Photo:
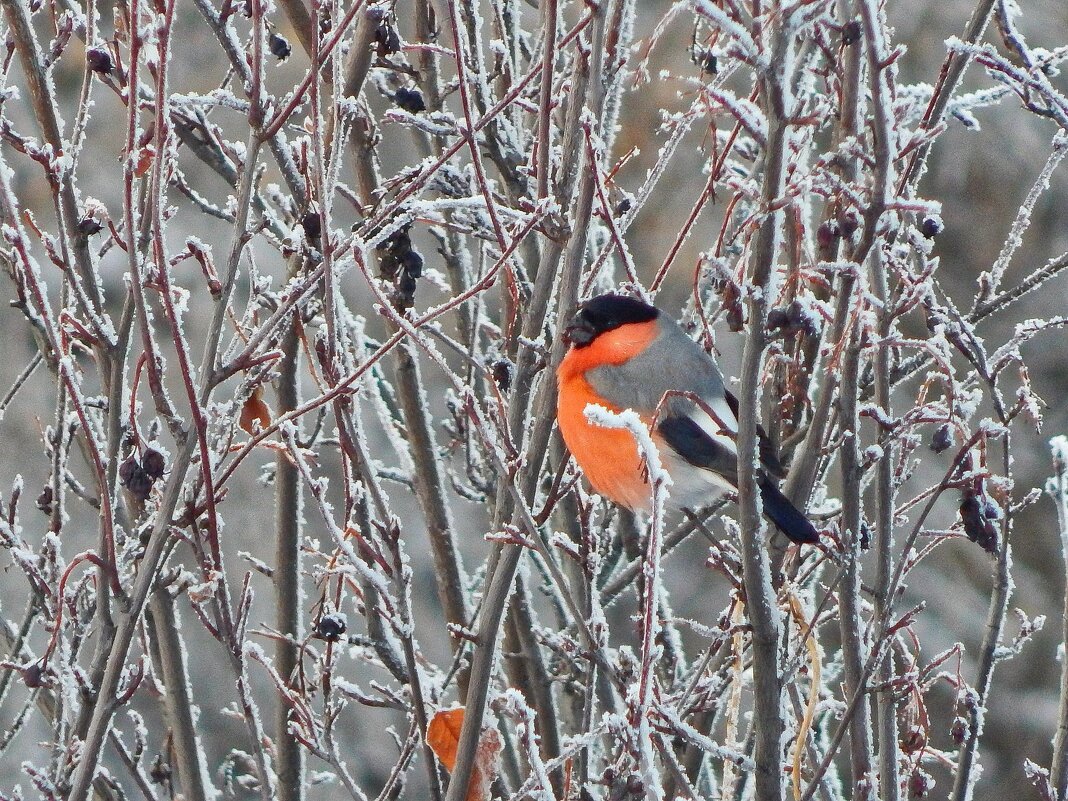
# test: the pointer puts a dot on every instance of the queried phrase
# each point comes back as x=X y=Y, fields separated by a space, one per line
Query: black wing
x=694 y=445
x=768 y=457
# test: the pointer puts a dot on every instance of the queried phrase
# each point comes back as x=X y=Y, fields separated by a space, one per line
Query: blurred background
x=980 y=177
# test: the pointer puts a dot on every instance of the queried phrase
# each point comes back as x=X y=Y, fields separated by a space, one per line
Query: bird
x=625 y=354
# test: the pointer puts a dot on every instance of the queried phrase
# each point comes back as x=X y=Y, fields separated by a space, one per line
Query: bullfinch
x=625 y=354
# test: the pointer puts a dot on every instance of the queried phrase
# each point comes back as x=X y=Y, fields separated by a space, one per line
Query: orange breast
x=608 y=456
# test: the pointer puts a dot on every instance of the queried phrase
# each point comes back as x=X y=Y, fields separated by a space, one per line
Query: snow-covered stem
x=1057 y=488
x=850 y=622
x=761 y=604
x=949 y=77
x=288 y=517
x=170 y=660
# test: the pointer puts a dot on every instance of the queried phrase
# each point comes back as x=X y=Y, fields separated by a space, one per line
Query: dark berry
x=919 y=784
x=913 y=740
x=735 y=317
x=706 y=59
x=635 y=786
x=412 y=263
x=777 y=319
x=331 y=627
x=503 y=370
x=980 y=529
x=865 y=535
x=279 y=46
x=99 y=60
x=44 y=500
x=153 y=464
x=411 y=100
x=959 y=730
x=943 y=438
x=139 y=484
x=388 y=39
x=826 y=235
x=851 y=33
x=849 y=224
x=160 y=772
x=34 y=675
x=931 y=227
x=127 y=469
x=312 y=224
x=89 y=226
x=406 y=285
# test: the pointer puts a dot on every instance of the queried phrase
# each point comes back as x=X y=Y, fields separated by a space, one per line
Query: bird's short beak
x=578 y=332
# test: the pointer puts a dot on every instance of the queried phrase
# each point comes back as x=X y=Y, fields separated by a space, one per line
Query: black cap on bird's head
x=606 y=313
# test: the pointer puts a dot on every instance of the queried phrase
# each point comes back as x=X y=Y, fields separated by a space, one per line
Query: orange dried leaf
x=255 y=414
x=443 y=736
x=145 y=156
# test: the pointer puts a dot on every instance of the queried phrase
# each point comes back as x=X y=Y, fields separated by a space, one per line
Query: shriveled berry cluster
x=400 y=263
x=138 y=477
x=980 y=515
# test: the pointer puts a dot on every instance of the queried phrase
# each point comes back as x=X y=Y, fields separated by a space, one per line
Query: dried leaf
x=145 y=157
x=255 y=413
x=443 y=736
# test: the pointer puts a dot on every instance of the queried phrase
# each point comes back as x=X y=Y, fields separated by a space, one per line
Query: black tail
x=785 y=515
